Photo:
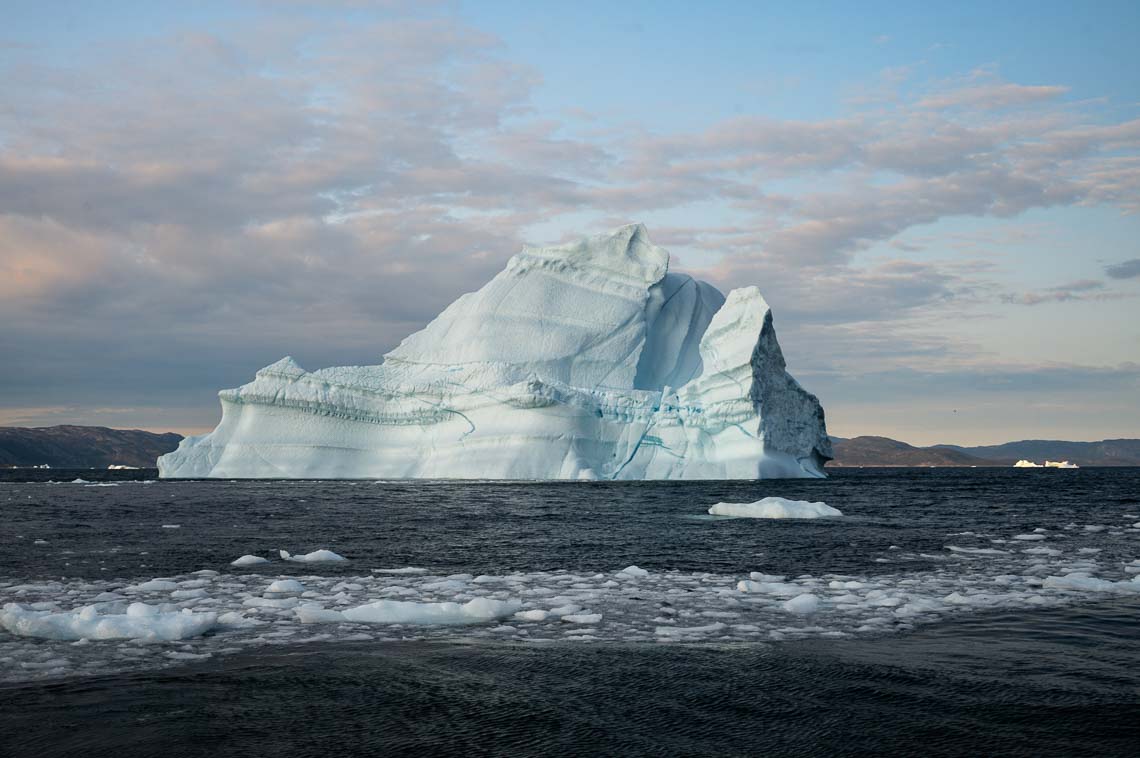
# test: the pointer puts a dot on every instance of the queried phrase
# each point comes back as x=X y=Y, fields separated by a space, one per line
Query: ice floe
x=476 y=611
x=775 y=507
x=249 y=560
x=139 y=622
x=317 y=556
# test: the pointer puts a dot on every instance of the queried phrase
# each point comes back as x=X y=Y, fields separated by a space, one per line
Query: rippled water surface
x=966 y=610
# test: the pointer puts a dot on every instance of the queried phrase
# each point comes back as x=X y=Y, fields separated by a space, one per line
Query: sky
x=941 y=204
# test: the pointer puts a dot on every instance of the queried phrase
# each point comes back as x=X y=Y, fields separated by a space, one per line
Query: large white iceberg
x=582 y=361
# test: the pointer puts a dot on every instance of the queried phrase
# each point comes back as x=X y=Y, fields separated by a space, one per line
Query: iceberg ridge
x=582 y=361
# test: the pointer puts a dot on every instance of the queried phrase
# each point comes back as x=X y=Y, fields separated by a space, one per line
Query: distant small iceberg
x=1048 y=464
x=1027 y=464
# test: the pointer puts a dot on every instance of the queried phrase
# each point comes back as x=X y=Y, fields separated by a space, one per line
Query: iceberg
x=589 y=360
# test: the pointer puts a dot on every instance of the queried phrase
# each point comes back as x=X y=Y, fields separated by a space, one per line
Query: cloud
x=305 y=185
x=992 y=96
x=1124 y=270
x=1082 y=289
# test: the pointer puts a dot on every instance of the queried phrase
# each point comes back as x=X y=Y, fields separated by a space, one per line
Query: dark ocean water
x=940 y=631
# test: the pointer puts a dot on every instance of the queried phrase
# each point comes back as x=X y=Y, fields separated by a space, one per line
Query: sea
x=947 y=612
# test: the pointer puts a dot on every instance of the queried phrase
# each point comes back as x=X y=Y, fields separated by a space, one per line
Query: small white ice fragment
x=285 y=585
x=583 y=618
x=154 y=585
x=805 y=603
x=249 y=560
x=535 y=615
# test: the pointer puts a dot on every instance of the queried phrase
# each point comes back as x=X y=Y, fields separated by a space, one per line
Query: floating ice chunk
x=756 y=576
x=533 y=615
x=317 y=556
x=1081 y=581
x=405 y=570
x=805 y=603
x=842 y=585
x=172 y=526
x=976 y=550
x=477 y=611
x=1029 y=537
x=445 y=585
x=565 y=610
x=285 y=585
x=583 y=618
x=633 y=572
x=315 y=614
x=188 y=594
x=39 y=542
x=140 y=622
x=769 y=588
x=775 y=507
x=154 y=585
x=1041 y=551
x=249 y=560
x=266 y=602
x=680 y=631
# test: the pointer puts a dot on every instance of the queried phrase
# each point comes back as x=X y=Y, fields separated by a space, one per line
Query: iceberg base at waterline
x=583 y=361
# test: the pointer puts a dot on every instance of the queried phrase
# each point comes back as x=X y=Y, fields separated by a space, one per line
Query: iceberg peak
x=625 y=253
x=588 y=359
x=284 y=367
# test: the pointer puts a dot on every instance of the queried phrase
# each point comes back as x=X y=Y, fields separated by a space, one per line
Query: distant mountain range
x=100 y=447
x=883 y=451
x=82 y=446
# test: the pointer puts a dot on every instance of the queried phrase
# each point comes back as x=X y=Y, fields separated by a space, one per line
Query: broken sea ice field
x=110 y=589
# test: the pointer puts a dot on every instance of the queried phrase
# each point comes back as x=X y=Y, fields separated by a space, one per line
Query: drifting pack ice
x=582 y=361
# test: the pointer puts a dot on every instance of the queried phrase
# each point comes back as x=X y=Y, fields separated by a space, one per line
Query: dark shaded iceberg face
x=589 y=360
